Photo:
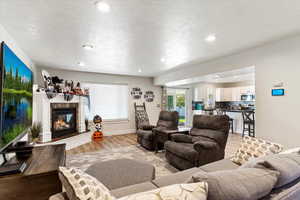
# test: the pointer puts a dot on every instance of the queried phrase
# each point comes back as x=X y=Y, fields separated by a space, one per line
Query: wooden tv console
x=40 y=179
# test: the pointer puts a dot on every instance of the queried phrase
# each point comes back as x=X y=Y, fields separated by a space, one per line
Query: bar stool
x=209 y=111
x=222 y=112
x=249 y=122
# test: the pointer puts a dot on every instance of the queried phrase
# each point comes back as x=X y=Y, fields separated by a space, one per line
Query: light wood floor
x=112 y=142
x=108 y=143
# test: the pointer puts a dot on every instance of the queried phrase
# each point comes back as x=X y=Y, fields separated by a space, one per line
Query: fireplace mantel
x=42 y=106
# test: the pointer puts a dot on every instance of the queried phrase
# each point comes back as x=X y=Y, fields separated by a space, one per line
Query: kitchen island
x=236 y=115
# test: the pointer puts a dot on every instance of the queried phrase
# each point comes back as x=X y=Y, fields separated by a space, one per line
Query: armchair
x=166 y=126
x=205 y=143
x=145 y=134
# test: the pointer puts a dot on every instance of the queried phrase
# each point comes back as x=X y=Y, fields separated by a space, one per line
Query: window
x=108 y=100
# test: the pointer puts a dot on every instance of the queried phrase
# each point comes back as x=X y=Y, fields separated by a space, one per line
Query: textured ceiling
x=136 y=34
x=239 y=75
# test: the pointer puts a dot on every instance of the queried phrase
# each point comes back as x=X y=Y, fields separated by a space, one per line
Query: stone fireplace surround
x=42 y=107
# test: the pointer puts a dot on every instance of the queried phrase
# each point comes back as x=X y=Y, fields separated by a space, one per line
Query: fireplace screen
x=63 y=122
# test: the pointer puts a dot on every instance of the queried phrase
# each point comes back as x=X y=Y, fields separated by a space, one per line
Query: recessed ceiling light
x=88 y=46
x=217 y=76
x=103 y=6
x=210 y=38
x=163 y=60
x=81 y=64
x=140 y=70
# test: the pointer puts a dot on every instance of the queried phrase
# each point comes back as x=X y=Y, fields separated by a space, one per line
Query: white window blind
x=110 y=101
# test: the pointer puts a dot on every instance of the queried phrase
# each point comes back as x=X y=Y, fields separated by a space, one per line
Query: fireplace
x=64 y=122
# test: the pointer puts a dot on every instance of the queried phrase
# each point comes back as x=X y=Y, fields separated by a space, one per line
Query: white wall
x=277 y=118
x=121 y=127
x=236 y=84
x=4 y=36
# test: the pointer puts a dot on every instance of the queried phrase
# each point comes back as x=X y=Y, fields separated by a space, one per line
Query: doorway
x=177 y=102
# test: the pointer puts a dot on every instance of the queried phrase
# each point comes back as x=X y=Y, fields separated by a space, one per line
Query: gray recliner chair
x=145 y=134
x=205 y=144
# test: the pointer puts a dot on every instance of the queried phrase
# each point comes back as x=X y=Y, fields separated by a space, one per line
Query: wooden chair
x=138 y=108
x=249 y=122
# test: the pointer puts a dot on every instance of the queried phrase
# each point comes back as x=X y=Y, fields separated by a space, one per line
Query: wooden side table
x=161 y=136
x=40 y=179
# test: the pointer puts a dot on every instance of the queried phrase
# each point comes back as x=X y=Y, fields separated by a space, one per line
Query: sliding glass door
x=176 y=101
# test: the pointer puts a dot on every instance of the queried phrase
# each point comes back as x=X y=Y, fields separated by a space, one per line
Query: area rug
x=84 y=160
x=158 y=160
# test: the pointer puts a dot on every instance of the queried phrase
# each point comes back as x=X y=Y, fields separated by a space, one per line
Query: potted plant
x=35 y=131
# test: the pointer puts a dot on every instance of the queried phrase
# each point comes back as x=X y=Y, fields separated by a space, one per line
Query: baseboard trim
x=118 y=132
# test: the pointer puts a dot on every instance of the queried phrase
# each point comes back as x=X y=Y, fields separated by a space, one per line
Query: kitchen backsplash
x=235 y=104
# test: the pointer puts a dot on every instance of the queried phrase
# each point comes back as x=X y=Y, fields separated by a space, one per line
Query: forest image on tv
x=17 y=97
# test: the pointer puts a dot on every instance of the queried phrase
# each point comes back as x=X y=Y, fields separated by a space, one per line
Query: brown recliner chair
x=145 y=135
x=205 y=144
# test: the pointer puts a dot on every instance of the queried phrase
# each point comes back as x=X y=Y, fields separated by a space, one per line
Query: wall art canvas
x=136 y=93
x=149 y=96
x=16 y=104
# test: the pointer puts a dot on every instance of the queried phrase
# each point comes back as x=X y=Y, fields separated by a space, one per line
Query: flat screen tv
x=16 y=97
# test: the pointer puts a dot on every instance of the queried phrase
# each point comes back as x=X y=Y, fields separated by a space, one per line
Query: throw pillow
x=287 y=164
x=239 y=184
x=253 y=148
x=81 y=186
x=194 y=191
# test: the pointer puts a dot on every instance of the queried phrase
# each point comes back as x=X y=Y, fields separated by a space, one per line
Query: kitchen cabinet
x=237 y=121
x=223 y=94
x=236 y=94
x=233 y=94
x=247 y=90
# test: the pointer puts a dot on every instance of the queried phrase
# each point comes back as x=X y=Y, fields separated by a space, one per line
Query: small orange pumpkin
x=97 y=135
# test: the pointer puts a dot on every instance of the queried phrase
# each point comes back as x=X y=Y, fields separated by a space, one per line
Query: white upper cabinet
x=248 y=90
x=236 y=94
x=233 y=94
x=224 y=94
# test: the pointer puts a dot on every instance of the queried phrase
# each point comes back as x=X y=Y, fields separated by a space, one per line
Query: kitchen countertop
x=237 y=110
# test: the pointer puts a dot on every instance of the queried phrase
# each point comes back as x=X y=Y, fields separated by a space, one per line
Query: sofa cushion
x=168 y=120
x=238 y=184
x=181 y=138
x=200 y=145
x=254 y=148
x=133 y=189
x=183 y=150
x=81 y=186
x=287 y=164
x=292 y=150
x=212 y=135
x=177 y=178
x=193 y=191
x=288 y=192
x=122 y=172
x=225 y=164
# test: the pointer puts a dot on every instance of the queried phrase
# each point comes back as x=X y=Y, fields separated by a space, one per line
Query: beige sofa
x=291 y=192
